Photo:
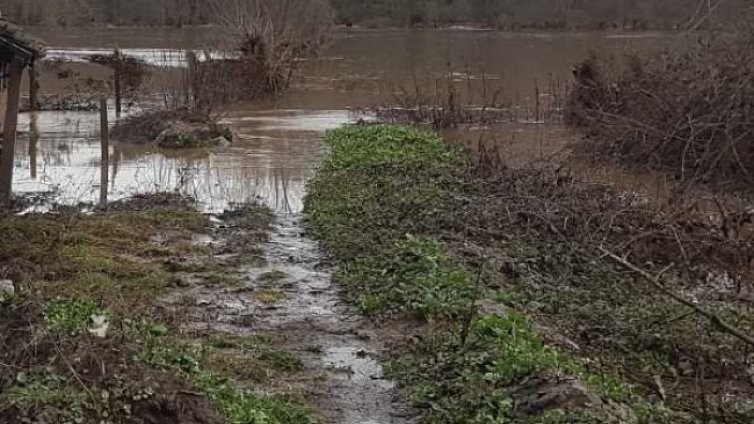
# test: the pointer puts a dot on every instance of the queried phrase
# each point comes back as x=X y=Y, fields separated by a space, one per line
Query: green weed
x=416 y=275
x=73 y=316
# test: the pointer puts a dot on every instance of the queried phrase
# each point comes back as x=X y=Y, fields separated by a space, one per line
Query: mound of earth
x=82 y=378
x=174 y=129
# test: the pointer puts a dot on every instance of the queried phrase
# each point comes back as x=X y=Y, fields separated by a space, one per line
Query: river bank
x=511 y=292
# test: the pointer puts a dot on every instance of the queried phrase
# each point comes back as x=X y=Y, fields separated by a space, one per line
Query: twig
x=472 y=306
x=655 y=282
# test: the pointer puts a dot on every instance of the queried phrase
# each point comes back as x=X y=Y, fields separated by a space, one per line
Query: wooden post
x=191 y=88
x=9 y=132
x=33 y=88
x=118 y=82
x=33 y=145
x=105 y=146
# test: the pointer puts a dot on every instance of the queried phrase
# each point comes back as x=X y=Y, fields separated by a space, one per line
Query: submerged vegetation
x=503 y=268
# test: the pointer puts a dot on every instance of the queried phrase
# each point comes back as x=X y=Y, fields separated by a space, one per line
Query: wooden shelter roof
x=14 y=39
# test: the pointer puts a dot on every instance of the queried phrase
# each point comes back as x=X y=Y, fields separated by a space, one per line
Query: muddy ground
x=242 y=296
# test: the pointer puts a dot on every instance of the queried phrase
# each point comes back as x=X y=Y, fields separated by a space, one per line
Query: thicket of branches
x=688 y=112
x=494 y=13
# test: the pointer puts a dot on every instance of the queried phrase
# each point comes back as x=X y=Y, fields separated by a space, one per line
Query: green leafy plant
x=71 y=315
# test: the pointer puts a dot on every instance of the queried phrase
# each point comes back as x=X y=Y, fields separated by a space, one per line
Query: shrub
x=687 y=112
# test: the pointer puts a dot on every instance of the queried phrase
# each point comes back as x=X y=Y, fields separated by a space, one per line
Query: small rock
x=541 y=394
x=220 y=142
x=7 y=290
x=100 y=326
x=489 y=307
x=365 y=334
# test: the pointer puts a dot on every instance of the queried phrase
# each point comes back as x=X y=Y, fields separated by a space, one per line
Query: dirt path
x=292 y=298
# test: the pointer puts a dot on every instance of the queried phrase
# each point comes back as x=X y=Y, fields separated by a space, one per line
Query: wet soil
x=292 y=299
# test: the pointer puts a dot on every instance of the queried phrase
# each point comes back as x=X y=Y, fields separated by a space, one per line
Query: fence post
x=33 y=145
x=191 y=88
x=105 y=146
x=9 y=132
x=118 y=82
x=33 y=88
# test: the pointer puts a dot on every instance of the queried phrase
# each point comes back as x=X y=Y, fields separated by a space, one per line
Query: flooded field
x=279 y=138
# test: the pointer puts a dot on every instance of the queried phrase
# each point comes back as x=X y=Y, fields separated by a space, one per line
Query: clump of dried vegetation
x=686 y=111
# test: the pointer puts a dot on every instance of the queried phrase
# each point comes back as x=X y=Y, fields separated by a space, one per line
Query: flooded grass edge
x=376 y=206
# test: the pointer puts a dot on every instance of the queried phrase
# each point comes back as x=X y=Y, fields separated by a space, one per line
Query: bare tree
x=275 y=32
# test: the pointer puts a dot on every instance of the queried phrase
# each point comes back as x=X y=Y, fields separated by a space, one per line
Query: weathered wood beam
x=33 y=86
x=9 y=132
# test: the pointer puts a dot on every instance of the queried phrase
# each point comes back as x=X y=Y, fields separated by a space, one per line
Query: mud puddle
x=291 y=298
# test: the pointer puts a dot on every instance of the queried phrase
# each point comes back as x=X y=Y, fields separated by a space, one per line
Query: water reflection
x=59 y=154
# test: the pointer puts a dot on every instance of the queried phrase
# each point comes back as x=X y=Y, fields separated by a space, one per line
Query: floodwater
x=280 y=138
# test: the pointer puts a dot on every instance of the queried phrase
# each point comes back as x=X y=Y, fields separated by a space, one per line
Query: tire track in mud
x=309 y=318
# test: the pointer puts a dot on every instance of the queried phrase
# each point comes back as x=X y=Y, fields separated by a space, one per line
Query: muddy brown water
x=279 y=148
x=280 y=144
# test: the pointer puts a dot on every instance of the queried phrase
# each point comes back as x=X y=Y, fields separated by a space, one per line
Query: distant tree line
x=554 y=14
x=507 y=14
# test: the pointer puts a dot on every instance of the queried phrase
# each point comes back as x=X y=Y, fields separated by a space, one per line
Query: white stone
x=7 y=290
x=100 y=325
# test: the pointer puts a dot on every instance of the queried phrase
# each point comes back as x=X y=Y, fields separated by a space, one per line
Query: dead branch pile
x=221 y=81
x=689 y=112
x=546 y=235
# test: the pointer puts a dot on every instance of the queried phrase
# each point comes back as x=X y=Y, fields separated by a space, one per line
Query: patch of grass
x=415 y=275
x=281 y=360
x=240 y=406
x=272 y=276
x=51 y=395
x=471 y=380
x=223 y=279
x=72 y=266
x=270 y=295
x=94 y=256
